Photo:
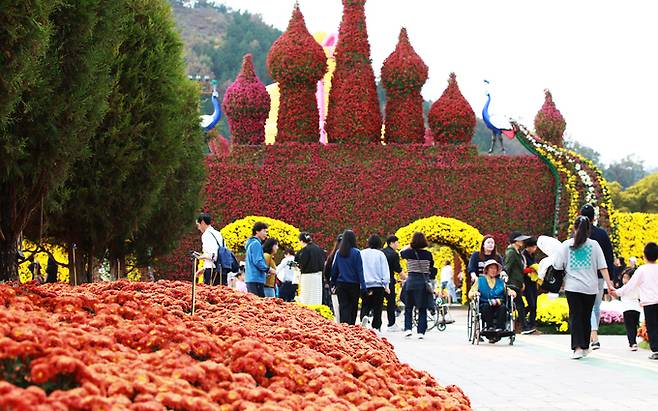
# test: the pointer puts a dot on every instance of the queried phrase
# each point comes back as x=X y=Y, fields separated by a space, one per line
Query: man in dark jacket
x=600 y=236
x=393 y=259
x=514 y=266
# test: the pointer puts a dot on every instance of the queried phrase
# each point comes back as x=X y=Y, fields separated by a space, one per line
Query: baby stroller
x=475 y=323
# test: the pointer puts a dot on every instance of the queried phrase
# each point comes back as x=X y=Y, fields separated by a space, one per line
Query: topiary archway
x=237 y=233
x=462 y=237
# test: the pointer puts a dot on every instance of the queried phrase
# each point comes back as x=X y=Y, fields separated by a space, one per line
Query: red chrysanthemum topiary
x=354 y=115
x=451 y=117
x=403 y=76
x=247 y=105
x=297 y=62
x=549 y=123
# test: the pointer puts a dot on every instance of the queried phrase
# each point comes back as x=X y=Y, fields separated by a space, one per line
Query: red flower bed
x=354 y=115
x=297 y=62
x=373 y=189
x=247 y=105
x=124 y=345
x=451 y=118
x=549 y=122
x=403 y=76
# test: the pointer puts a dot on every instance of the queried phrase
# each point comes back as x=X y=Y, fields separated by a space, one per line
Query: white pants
x=310 y=292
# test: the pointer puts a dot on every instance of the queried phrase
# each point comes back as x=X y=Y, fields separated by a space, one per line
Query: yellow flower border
x=236 y=233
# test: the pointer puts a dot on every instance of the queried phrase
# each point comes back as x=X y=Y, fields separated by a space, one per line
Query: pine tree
x=55 y=103
x=138 y=147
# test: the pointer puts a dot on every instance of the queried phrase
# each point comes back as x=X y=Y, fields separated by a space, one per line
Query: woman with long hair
x=487 y=252
x=347 y=277
x=326 y=278
x=420 y=266
x=310 y=260
x=581 y=258
x=270 y=247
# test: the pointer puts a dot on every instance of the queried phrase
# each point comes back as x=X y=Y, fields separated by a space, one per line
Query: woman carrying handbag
x=419 y=293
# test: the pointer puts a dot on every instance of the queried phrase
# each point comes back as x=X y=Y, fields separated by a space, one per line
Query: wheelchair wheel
x=432 y=318
x=441 y=318
x=469 y=323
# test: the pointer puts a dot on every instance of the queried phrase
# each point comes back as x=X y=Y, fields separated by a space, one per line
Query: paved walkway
x=535 y=373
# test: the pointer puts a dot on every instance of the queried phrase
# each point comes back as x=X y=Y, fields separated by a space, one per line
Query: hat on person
x=491 y=262
x=588 y=211
x=517 y=236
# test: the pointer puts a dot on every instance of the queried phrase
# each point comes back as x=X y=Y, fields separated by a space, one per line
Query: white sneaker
x=577 y=355
x=585 y=353
x=408 y=333
x=365 y=323
x=421 y=336
x=634 y=347
x=394 y=328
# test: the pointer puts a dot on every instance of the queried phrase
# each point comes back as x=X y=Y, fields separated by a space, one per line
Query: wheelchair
x=438 y=315
x=475 y=323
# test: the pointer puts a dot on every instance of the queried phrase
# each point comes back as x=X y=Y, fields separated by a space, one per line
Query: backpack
x=553 y=280
x=225 y=259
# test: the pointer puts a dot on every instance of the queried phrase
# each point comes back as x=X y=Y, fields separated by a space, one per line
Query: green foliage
x=216 y=38
x=642 y=197
x=626 y=171
x=585 y=151
x=61 y=103
x=147 y=142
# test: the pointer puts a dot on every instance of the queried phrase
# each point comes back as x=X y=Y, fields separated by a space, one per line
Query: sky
x=596 y=57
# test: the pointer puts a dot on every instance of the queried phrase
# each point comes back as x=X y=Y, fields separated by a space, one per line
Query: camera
x=292 y=263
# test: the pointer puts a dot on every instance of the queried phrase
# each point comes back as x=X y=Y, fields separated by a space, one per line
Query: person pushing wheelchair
x=492 y=292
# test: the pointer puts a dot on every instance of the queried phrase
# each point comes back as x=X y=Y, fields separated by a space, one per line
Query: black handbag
x=553 y=280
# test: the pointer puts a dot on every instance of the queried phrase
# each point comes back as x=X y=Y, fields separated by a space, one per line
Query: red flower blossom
x=297 y=62
x=354 y=115
x=549 y=122
x=403 y=76
x=451 y=118
x=247 y=105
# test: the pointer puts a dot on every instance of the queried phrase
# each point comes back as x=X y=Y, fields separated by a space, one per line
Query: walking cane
x=75 y=274
x=193 y=284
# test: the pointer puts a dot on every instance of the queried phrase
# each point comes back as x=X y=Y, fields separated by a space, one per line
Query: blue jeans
x=451 y=290
x=416 y=298
x=269 y=292
x=256 y=288
x=596 y=310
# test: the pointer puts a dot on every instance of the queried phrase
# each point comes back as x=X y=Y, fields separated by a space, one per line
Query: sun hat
x=491 y=262
x=517 y=236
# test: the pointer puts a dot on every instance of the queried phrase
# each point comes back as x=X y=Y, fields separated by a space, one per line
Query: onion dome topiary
x=297 y=62
x=451 y=117
x=403 y=75
x=247 y=105
x=549 y=122
x=354 y=115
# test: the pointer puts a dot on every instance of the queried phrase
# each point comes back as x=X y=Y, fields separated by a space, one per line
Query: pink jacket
x=645 y=280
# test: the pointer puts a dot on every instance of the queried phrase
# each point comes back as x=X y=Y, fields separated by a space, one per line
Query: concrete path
x=535 y=373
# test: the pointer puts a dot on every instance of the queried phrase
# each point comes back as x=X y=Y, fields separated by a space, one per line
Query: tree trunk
x=8 y=259
x=77 y=274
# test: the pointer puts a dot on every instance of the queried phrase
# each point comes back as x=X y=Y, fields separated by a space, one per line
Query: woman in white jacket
x=377 y=277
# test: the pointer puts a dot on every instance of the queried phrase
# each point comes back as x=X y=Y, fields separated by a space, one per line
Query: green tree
x=180 y=198
x=139 y=144
x=626 y=171
x=642 y=196
x=54 y=104
x=584 y=151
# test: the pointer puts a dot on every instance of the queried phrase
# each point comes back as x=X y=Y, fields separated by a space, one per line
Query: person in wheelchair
x=492 y=292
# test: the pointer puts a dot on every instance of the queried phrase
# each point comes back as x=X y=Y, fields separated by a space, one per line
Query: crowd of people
x=347 y=275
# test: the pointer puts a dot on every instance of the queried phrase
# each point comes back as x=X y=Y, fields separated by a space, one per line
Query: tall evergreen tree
x=139 y=144
x=46 y=127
